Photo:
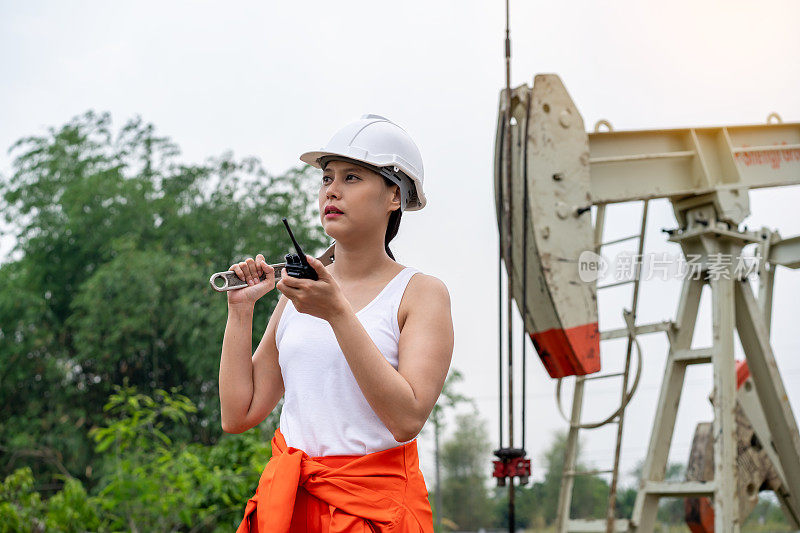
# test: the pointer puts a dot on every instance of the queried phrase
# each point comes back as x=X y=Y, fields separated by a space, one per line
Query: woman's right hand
x=249 y=271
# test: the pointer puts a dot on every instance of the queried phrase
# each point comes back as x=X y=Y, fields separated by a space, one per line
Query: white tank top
x=324 y=411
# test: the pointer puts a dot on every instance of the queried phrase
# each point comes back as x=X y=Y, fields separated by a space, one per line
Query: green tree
x=670 y=510
x=448 y=399
x=147 y=482
x=626 y=498
x=589 y=493
x=115 y=240
x=527 y=503
x=537 y=505
x=465 y=461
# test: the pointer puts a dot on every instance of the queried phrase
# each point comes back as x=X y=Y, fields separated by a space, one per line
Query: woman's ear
x=396 y=198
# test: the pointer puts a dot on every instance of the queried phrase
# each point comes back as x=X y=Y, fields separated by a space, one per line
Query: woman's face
x=360 y=194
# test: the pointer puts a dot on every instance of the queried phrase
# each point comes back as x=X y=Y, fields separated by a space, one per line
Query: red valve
x=512 y=463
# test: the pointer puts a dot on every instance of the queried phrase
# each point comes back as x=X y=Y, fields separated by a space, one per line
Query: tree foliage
x=115 y=240
x=448 y=400
x=147 y=482
x=465 y=465
x=537 y=503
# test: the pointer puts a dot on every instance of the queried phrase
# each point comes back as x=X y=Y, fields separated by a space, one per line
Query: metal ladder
x=610 y=524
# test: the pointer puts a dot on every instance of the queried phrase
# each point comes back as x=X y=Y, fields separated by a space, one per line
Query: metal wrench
x=233 y=282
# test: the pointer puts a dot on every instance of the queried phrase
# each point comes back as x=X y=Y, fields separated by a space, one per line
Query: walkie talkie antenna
x=297 y=246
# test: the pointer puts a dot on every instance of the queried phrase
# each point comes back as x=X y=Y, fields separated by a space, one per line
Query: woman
x=361 y=353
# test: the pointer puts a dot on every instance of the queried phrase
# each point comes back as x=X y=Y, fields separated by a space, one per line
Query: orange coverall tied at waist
x=380 y=491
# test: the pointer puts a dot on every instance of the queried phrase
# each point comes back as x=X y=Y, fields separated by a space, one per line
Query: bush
x=147 y=483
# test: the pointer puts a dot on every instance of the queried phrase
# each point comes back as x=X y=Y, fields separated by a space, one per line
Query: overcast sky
x=274 y=80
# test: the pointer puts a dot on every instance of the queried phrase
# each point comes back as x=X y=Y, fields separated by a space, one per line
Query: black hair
x=393 y=225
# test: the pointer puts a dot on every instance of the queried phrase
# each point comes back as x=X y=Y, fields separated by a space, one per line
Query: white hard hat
x=383 y=146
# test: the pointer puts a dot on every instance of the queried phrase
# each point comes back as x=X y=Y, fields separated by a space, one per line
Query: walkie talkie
x=296 y=264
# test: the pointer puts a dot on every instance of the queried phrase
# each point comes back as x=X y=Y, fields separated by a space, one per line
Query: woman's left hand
x=322 y=298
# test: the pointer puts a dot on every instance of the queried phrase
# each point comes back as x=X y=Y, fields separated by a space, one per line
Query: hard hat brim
x=312 y=158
